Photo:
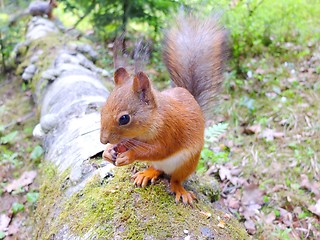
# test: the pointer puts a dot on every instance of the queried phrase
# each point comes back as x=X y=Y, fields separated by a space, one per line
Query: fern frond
x=212 y=133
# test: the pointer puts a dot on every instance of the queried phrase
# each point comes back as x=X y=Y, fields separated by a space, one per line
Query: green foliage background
x=256 y=26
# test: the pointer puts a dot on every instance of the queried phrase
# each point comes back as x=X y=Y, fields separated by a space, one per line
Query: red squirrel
x=36 y=9
x=42 y=8
x=166 y=129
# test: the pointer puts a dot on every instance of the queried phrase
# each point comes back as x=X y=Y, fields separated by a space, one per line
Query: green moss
x=50 y=191
x=117 y=208
x=48 y=45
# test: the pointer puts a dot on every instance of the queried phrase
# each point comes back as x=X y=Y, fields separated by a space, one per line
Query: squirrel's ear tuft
x=121 y=76
x=141 y=85
x=53 y=2
x=141 y=82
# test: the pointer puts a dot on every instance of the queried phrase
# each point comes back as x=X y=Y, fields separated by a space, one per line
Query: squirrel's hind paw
x=142 y=178
x=187 y=196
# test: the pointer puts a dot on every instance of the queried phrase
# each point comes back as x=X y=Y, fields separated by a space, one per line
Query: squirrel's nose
x=104 y=140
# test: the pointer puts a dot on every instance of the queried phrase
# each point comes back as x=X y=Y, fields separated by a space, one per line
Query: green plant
x=32 y=197
x=17 y=207
x=258 y=27
x=9 y=138
x=207 y=155
x=9 y=37
x=282 y=234
x=37 y=152
x=213 y=132
x=8 y=156
x=110 y=17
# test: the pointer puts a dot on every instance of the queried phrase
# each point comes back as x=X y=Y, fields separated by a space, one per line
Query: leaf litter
x=25 y=180
x=272 y=183
x=17 y=173
x=246 y=198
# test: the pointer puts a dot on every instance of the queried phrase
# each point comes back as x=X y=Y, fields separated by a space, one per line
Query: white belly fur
x=170 y=164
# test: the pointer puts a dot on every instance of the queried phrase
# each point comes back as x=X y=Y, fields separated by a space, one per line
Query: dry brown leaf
x=6 y=201
x=237 y=181
x=285 y=217
x=252 y=194
x=25 y=180
x=235 y=171
x=212 y=169
x=13 y=229
x=232 y=202
x=250 y=226
x=249 y=211
x=270 y=134
x=311 y=186
x=4 y=222
x=221 y=224
x=254 y=129
x=270 y=218
x=224 y=173
x=315 y=208
x=277 y=187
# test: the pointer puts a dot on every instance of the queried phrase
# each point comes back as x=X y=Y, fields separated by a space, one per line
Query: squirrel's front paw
x=109 y=154
x=142 y=178
x=123 y=159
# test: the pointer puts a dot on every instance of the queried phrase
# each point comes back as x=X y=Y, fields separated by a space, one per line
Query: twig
x=3 y=54
x=255 y=8
x=84 y=16
x=20 y=120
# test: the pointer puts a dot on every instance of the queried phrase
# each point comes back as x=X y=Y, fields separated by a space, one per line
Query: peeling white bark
x=70 y=94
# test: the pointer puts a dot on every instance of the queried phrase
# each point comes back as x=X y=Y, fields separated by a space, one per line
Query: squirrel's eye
x=124 y=119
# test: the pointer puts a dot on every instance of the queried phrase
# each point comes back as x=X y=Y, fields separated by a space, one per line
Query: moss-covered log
x=82 y=197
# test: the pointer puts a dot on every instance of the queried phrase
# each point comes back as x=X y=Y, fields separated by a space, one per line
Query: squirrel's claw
x=142 y=178
x=187 y=196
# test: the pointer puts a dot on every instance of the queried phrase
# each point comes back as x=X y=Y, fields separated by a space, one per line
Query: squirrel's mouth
x=117 y=150
x=121 y=147
x=131 y=143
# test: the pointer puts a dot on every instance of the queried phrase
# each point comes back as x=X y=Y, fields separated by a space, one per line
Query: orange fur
x=165 y=128
x=42 y=8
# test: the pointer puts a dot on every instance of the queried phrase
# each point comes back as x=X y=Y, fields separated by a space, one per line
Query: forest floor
x=19 y=159
x=268 y=160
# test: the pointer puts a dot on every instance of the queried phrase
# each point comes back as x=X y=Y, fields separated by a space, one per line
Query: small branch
x=255 y=8
x=2 y=53
x=89 y=10
x=20 y=120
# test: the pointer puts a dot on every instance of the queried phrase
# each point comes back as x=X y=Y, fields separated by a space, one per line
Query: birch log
x=82 y=197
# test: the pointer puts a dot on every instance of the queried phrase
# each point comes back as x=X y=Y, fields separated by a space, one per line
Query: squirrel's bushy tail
x=194 y=52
